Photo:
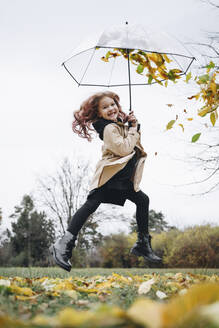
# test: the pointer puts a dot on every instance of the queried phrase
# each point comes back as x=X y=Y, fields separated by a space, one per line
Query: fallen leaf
x=147 y=313
x=160 y=294
x=145 y=287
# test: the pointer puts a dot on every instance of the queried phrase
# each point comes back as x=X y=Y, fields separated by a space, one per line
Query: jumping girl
x=117 y=175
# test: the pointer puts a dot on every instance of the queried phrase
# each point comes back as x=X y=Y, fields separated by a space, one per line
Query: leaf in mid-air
x=140 y=68
x=181 y=125
x=196 y=137
x=104 y=59
x=203 y=79
x=188 y=77
x=213 y=118
x=150 y=78
x=210 y=65
x=203 y=111
x=170 y=124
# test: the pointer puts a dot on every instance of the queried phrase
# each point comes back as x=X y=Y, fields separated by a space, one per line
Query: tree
x=0 y=223
x=114 y=252
x=32 y=234
x=206 y=79
x=62 y=194
x=205 y=154
x=156 y=222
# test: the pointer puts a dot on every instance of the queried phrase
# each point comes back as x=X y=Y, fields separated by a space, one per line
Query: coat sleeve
x=116 y=143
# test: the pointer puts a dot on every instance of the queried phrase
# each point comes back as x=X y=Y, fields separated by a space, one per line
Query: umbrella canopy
x=118 y=42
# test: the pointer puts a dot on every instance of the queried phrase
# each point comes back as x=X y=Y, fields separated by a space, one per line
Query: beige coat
x=117 y=150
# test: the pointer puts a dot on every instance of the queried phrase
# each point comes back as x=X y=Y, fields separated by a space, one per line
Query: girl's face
x=108 y=109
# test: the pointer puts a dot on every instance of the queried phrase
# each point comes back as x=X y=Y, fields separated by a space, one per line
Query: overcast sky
x=38 y=98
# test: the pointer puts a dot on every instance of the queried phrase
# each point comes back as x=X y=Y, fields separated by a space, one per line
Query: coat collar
x=100 y=124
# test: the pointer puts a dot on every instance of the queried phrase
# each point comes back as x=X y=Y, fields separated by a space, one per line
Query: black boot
x=62 y=250
x=143 y=248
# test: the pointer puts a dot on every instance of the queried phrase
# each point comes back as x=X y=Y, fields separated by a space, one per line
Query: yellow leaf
x=104 y=59
x=213 y=118
x=188 y=77
x=25 y=298
x=22 y=291
x=204 y=110
x=167 y=58
x=156 y=58
x=163 y=74
x=87 y=290
x=170 y=124
x=65 y=285
x=189 y=118
x=166 y=83
x=104 y=285
x=176 y=70
x=213 y=87
x=181 y=125
x=41 y=320
x=43 y=279
x=120 y=278
x=71 y=293
x=181 y=306
x=72 y=318
x=146 y=312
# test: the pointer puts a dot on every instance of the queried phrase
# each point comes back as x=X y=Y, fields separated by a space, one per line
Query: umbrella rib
x=177 y=62
x=190 y=64
x=63 y=64
x=87 y=66
x=79 y=53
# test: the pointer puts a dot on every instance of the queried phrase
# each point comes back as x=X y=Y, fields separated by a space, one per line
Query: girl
x=117 y=175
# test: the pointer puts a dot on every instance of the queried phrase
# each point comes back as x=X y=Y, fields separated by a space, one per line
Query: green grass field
x=54 y=272
x=96 y=297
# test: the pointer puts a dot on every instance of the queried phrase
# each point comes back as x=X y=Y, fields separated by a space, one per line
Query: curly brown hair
x=88 y=114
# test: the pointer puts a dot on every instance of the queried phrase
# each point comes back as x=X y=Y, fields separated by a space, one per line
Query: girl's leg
x=81 y=215
x=143 y=245
x=62 y=249
x=142 y=208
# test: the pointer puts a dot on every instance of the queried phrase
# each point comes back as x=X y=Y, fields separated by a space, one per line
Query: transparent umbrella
x=128 y=55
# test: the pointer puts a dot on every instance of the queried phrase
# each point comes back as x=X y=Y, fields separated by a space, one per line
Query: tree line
x=33 y=232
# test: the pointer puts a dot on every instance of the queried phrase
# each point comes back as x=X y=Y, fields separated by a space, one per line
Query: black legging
x=139 y=198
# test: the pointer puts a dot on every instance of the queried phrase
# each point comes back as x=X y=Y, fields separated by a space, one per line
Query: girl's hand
x=132 y=119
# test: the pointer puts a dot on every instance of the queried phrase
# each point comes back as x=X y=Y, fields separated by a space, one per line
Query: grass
x=55 y=272
x=123 y=292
